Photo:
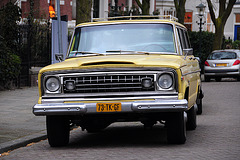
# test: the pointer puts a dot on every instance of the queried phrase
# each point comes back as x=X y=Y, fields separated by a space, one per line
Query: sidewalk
x=18 y=125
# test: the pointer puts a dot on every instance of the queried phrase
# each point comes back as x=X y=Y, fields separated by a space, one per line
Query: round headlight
x=165 y=81
x=52 y=84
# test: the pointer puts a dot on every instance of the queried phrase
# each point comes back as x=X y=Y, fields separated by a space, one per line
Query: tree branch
x=222 y=7
x=176 y=4
x=212 y=14
x=228 y=10
x=139 y=3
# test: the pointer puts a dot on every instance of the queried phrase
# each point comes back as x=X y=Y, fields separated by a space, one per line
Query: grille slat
x=107 y=83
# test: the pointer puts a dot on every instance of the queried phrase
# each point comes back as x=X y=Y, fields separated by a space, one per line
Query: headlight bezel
x=172 y=86
x=45 y=81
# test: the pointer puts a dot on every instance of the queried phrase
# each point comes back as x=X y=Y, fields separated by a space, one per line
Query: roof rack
x=168 y=17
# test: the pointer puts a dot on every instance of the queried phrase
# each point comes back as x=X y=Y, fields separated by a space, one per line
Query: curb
x=21 y=142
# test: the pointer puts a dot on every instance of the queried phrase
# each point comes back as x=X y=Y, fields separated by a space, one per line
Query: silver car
x=222 y=63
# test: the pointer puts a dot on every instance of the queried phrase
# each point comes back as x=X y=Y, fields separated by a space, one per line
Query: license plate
x=109 y=107
x=221 y=64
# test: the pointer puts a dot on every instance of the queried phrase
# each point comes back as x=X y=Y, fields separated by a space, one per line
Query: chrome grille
x=107 y=83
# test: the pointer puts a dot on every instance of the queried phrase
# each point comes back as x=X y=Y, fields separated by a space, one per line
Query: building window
x=210 y=26
x=237 y=18
x=188 y=20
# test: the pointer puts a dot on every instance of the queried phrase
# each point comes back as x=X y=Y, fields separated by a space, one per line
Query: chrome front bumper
x=127 y=107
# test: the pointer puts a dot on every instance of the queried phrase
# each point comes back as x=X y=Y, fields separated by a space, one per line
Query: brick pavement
x=216 y=137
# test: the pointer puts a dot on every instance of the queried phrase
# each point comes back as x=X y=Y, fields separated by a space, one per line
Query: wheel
x=58 y=130
x=199 y=106
x=238 y=78
x=192 y=118
x=207 y=79
x=176 y=128
x=218 y=79
x=199 y=102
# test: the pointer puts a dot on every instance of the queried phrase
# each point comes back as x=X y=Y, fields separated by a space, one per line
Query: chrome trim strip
x=59 y=109
x=62 y=100
x=191 y=72
x=109 y=70
x=119 y=94
x=169 y=105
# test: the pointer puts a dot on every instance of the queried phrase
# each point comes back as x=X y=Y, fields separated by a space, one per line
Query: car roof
x=146 y=19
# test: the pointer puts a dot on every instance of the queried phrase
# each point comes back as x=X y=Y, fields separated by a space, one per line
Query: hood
x=172 y=61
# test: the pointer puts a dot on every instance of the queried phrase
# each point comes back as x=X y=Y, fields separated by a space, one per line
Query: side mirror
x=199 y=60
x=59 y=57
x=188 y=51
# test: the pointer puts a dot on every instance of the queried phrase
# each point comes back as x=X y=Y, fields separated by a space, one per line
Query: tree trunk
x=83 y=11
x=218 y=38
x=224 y=13
x=145 y=6
x=180 y=10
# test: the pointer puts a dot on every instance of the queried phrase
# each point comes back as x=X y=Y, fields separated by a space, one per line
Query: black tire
x=199 y=106
x=176 y=128
x=58 y=130
x=207 y=79
x=218 y=79
x=238 y=78
x=192 y=118
x=199 y=102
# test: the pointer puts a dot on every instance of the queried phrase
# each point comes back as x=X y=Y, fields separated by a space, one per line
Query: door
x=237 y=32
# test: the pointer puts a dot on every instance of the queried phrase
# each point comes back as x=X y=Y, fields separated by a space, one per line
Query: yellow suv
x=122 y=70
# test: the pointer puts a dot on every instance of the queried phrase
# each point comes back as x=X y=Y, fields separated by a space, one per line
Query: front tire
x=58 y=130
x=176 y=128
x=199 y=106
x=192 y=118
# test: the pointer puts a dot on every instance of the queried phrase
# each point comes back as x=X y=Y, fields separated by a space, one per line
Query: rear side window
x=222 y=55
x=184 y=40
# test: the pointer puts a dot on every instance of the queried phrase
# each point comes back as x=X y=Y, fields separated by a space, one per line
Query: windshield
x=119 y=38
x=222 y=55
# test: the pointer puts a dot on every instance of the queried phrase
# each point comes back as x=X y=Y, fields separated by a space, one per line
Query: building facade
x=47 y=9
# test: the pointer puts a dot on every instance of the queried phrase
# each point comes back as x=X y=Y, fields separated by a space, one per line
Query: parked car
x=222 y=63
x=124 y=70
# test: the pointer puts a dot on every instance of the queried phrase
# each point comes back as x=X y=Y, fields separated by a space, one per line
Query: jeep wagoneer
x=122 y=70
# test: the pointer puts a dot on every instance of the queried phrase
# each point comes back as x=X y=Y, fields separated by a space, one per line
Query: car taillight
x=206 y=63
x=236 y=62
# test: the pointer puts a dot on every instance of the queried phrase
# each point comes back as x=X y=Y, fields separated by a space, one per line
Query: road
x=217 y=136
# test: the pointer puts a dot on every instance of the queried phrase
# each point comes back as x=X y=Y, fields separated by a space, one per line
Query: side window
x=187 y=39
x=182 y=38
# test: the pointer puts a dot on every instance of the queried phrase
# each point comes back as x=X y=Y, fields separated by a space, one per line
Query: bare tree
x=180 y=10
x=225 y=8
x=83 y=11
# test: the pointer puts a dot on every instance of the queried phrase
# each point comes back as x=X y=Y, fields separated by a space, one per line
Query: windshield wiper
x=85 y=53
x=127 y=52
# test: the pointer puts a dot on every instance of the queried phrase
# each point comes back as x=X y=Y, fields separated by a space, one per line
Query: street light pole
x=201 y=9
x=200 y=37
